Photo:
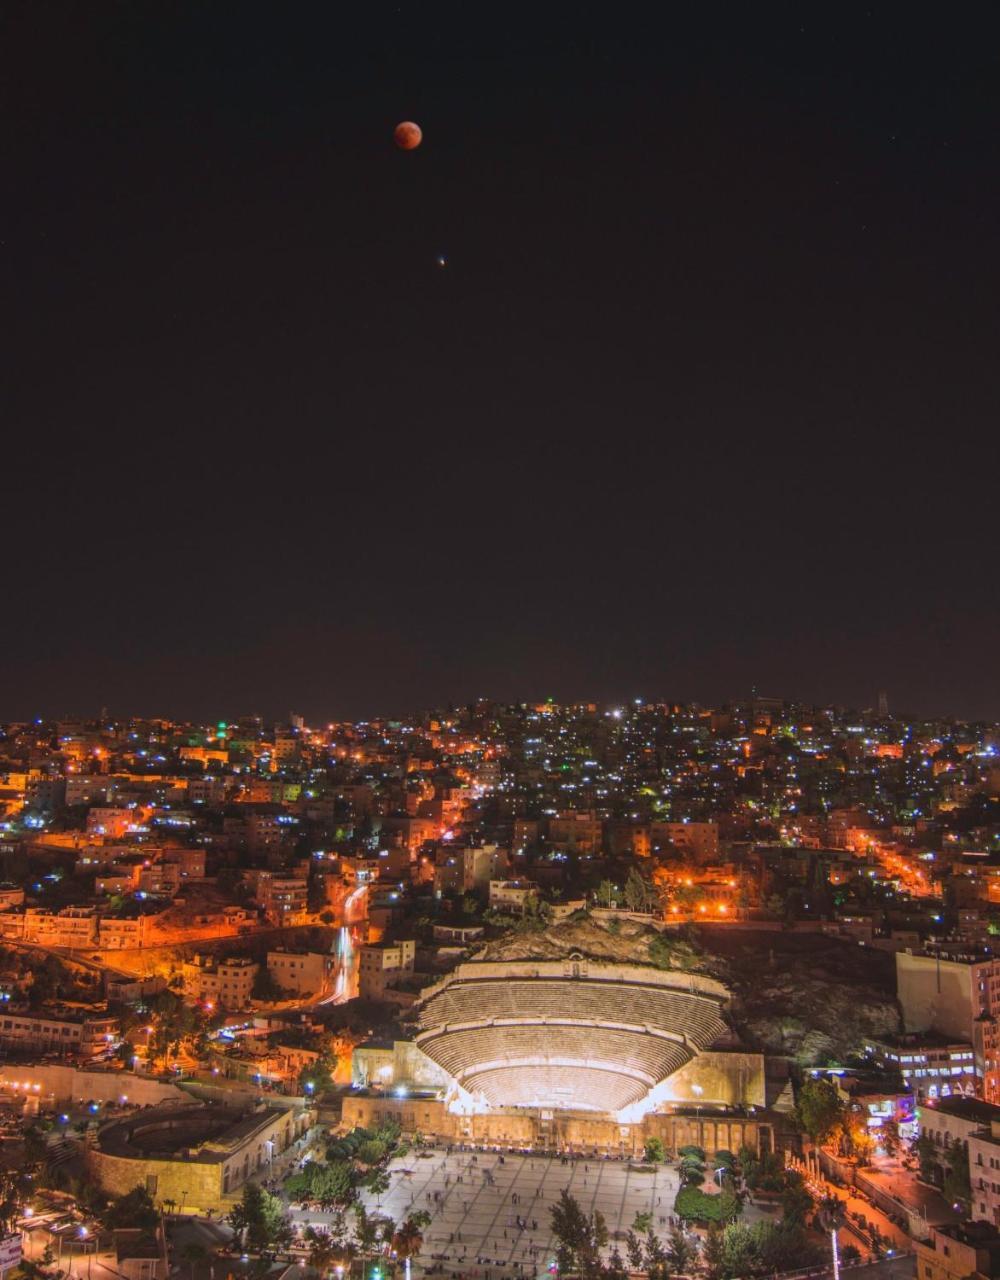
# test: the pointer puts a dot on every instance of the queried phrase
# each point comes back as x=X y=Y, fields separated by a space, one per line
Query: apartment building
x=67 y=1033
x=382 y=965
x=283 y=898
x=221 y=983
x=306 y=973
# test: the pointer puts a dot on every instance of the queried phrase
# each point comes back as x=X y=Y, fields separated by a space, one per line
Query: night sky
x=704 y=397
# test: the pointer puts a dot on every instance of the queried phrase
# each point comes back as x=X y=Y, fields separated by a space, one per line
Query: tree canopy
x=819 y=1109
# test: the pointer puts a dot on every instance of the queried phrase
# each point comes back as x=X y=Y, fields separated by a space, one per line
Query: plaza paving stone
x=474 y=1200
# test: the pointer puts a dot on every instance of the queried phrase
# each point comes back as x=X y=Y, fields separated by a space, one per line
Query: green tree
x=580 y=1237
x=796 y=1202
x=782 y=1246
x=15 y=1187
x=713 y=1254
x=43 y=1268
x=819 y=1110
x=330 y=1184
x=957 y=1187
x=681 y=1252
x=377 y=1183
x=655 y=1256
x=364 y=1229
x=639 y=894
x=317 y=1077
x=260 y=1220
x=656 y=1152
x=730 y=1204
x=642 y=1223
x=372 y=1152
x=927 y=1157
x=408 y=1239
x=888 y=1136
x=134 y=1209
x=694 y=1205
x=615 y=1270
x=607 y=894
x=739 y=1250
x=323 y=1249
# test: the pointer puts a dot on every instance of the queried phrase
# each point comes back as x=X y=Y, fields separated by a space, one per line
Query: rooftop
x=964 y=1109
x=981 y=1235
x=203 y=1134
x=918 y=1040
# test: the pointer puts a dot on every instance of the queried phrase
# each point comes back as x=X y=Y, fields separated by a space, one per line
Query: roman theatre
x=569 y=1054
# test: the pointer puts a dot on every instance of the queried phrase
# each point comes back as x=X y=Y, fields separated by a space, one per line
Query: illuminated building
x=381 y=965
x=193 y=1155
x=68 y=1032
x=569 y=1054
x=962 y=1251
x=222 y=983
x=304 y=972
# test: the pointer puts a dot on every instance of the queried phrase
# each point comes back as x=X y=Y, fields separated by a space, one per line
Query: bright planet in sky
x=407 y=135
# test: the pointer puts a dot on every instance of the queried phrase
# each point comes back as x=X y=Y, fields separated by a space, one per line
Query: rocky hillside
x=811 y=998
x=624 y=941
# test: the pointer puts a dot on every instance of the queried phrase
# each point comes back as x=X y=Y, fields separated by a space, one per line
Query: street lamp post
x=697 y=1090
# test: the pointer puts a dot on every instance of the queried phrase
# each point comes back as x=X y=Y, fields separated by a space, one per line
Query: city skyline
x=499 y=707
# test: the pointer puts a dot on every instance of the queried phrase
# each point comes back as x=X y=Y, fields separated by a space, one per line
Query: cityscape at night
x=499 y=708
x=441 y=988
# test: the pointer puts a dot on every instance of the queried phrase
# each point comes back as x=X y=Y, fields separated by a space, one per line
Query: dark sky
x=704 y=398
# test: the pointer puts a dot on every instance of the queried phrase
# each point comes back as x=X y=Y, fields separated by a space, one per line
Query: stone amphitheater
x=608 y=1052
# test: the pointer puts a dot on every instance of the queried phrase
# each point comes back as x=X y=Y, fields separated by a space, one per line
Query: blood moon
x=407 y=135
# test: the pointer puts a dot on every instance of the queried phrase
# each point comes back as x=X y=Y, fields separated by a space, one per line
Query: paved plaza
x=476 y=1198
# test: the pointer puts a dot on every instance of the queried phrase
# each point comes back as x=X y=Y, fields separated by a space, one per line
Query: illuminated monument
x=575 y=1052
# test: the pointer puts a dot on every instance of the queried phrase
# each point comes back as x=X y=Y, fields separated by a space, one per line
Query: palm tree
x=364 y=1229
x=409 y=1239
x=388 y=1228
x=323 y=1250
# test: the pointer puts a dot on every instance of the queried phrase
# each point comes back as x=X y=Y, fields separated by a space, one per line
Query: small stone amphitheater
x=572 y=1034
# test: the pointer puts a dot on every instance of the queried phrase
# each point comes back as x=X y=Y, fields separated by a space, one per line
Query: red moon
x=407 y=136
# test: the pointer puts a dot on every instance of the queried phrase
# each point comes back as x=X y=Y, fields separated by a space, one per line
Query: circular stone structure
x=571 y=1034
x=197 y=1154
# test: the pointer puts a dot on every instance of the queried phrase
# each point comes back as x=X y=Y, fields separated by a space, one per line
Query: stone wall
x=591 y=970
x=200 y=1179
x=60 y=1084
x=723 y=1078
x=403 y=1063
x=191 y=1185
x=557 y=1130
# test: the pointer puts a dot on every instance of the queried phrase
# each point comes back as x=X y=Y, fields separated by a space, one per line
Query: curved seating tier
x=690 y=1015
x=467 y=1051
